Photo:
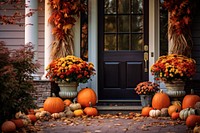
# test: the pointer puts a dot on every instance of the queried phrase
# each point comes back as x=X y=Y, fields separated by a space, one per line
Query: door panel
x=123 y=32
x=134 y=74
x=110 y=69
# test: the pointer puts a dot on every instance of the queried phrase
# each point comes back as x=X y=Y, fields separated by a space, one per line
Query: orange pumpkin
x=190 y=100
x=54 y=105
x=85 y=96
x=175 y=115
x=174 y=108
x=192 y=121
x=32 y=117
x=41 y=109
x=18 y=122
x=160 y=100
x=90 y=111
x=67 y=102
x=146 y=110
x=8 y=126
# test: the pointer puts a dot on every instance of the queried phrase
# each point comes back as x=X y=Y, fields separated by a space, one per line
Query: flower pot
x=175 y=89
x=146 y=100
x=68 y=90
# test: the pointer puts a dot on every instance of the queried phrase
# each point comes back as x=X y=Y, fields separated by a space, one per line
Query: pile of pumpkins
x=55 y=108
x=188 y=109
x=20 y=120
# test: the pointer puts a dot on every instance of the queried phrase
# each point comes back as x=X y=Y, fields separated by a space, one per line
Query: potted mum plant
x=68 y=72
x=174 y=70
x=146 y=90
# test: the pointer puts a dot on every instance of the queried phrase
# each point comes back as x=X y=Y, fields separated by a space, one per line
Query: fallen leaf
x=117 y=124
x=97 y=131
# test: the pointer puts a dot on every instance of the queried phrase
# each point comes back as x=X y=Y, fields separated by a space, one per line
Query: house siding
x=14 y=35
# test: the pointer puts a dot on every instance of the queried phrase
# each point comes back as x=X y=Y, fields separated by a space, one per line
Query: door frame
x=93 y=38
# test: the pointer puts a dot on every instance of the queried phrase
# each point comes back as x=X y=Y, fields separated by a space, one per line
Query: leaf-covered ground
x=104 y=123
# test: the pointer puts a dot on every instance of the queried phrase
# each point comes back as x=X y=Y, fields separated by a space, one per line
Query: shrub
x=16 y=81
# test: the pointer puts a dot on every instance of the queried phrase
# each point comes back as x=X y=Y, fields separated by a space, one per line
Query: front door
x=122 y=48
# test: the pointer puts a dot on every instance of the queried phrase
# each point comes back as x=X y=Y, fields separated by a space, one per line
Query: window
x=123 y=25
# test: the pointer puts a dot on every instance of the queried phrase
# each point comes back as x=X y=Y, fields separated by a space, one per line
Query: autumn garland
x=179 y=25
x=63 y=18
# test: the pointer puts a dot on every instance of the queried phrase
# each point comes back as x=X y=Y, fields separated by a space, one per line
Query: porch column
x=154 y=44
x=31 y=29
x=93 y=39
x=31 y=25
x=154 y=35
x=48 y=38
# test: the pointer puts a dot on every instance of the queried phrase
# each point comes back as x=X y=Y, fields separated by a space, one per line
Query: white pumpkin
x=55 y=115
x=74 y=106
x=154 y=113
x=186 y=112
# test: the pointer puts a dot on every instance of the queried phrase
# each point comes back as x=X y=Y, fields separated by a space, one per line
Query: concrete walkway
x=106 y=123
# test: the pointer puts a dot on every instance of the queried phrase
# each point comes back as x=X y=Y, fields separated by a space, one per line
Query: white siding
x=13 y=35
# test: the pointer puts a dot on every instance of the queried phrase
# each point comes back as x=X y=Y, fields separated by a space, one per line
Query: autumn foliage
x=16 y=84
x=180 y=18
x=63 y=18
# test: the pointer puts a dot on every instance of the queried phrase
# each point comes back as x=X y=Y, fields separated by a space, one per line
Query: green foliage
x=16 y=81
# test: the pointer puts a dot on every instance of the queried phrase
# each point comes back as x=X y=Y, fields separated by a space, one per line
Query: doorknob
x=146 y=58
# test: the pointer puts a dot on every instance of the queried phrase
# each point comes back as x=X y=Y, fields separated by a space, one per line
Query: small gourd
x=146 y=110
x=43 y=115
x=8 y=126
x=192 y=121
x=67 y=102
x=74 y=106
x=196 y=129
x=90 y=111
x=18 y=122
x=197 y=107
x=41 y=109
x=24 y=117
x=186 y=112
x=176 y=103
x=164 y=112
x=37 y=114
x=78 y=112
x=68 y=112
x=155 y=113
x=25 y=122
x=62 y=114
x=175 y=115
x=32 y=117
x=55 y=115
x=173 y=108
x=20 y=115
